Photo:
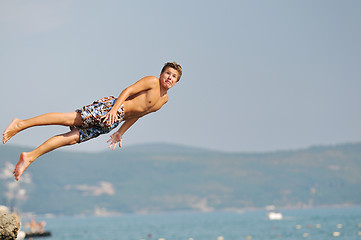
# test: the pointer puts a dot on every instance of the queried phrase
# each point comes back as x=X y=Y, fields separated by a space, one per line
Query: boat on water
x=36 y=229
x=37 y=234
x=274 y=215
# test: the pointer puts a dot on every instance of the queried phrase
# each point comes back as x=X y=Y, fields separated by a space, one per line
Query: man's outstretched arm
x=143 y=84
x=117 y=136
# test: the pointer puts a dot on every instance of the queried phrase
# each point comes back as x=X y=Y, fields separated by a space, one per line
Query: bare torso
x=144 y=102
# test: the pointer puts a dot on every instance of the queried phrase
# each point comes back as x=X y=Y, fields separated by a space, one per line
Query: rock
x=9 y=226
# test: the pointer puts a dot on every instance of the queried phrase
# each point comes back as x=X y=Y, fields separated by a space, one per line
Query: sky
x=257 y=75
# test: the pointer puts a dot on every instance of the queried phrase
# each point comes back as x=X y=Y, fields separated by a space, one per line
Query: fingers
x=111 y=146
x=114 y=145
x=113 y=142
x=110 y=118
x=106 y=119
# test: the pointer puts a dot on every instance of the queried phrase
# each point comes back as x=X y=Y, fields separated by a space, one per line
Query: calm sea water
x=317 y=224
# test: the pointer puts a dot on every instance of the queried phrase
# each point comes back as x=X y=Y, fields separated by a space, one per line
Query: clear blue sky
x=258 y=75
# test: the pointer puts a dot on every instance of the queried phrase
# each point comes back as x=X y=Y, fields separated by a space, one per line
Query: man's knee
x=73 y=136
x=72 y=119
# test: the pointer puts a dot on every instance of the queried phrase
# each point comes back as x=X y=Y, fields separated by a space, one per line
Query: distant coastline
x=154 y=178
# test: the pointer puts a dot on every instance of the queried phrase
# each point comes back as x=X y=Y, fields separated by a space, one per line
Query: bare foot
x=12 y=129
x=22 y=165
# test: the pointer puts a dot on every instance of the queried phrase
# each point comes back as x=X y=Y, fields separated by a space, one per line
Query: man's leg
x=26 y=158
x=65 y=119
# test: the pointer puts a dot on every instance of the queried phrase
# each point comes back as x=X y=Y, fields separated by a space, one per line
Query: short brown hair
x=174 y=65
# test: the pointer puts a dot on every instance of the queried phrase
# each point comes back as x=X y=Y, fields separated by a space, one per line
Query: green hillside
x=162 y=177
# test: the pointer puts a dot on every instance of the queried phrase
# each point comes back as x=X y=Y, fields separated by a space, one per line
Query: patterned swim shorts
x=92 y=125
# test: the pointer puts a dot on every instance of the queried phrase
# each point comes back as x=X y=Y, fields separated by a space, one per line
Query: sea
x=316 y=223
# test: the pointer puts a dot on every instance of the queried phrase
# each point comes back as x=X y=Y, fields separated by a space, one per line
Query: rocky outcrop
x=9 y=226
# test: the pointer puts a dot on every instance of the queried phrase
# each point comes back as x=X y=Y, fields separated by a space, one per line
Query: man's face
x=169 y=77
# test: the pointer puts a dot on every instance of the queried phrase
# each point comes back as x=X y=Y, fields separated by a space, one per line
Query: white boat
x=274 y=215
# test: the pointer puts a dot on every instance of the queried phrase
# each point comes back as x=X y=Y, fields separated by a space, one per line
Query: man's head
x=175 y=66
